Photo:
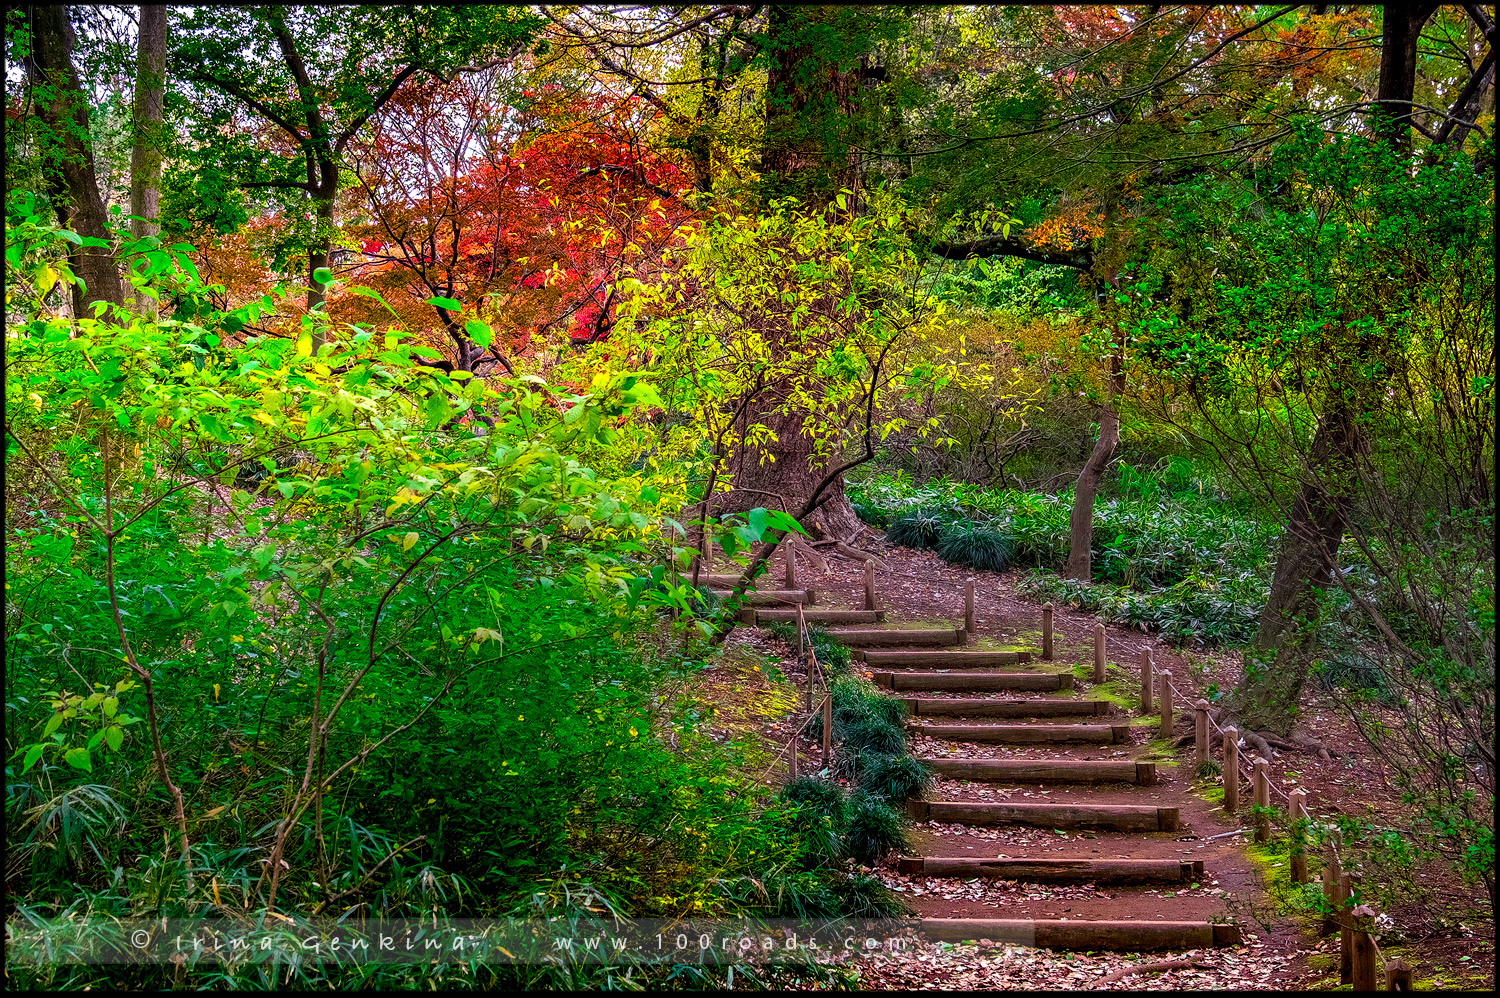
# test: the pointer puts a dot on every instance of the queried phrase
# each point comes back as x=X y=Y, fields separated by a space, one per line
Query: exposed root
x=856 y=555
x=805 y=552
x=1151 y=968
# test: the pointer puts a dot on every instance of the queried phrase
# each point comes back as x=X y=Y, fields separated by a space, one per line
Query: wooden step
x=763 y=617
x=1099 y=871
x=1110 y=817
x=1079 y=934
x=900 y=658
x=1045 y=682
x=1028 y=734
x=773 y=597
x=864 y=638
x=1046 y=770
x=720 y=581
x=920 y=707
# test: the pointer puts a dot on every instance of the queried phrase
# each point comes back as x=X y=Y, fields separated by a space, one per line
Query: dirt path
x=921 y=589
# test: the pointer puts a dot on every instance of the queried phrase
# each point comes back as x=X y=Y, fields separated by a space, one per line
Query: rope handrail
x=1190 y=705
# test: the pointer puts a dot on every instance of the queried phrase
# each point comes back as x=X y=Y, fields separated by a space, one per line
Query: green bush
x=874 y=735
x=894 y=778
x=920 y=528
x=875 y=829
x=985 y=550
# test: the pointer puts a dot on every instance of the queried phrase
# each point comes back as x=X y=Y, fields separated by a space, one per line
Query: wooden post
x=1047 y=632
x=792 y=762
x=1098 y=654
x=791 y=567
x=1164 y=695
x=1297 y=813
x=870 y=585
x=1232 y=770
x=827 y=728
x=1397 y=975
x=1148 y=681
x=1347 y=885
x=1200 y=733
x=969 y=605
x=1363 y=971
x=801 y=632
x=1333 y=884
x=1262 y=799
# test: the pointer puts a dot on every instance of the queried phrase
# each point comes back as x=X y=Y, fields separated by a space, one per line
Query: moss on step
x=1160 y=751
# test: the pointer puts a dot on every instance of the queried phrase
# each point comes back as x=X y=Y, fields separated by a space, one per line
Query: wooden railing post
x=869 y=585
x=792 y=762
x=969 y=605
x=1333 y=885
x=1148 y=681
x=1397 y=975
x=1200 y=733
x=1262 y=792
x=1047 y=632
x=827 y=728
x=1232 y=770
x=1099 y=652
x=790 y=581
x=1296 y=812
x=1164 y=701
x=1363 y=972
x=801 y=633
x=1348 y=887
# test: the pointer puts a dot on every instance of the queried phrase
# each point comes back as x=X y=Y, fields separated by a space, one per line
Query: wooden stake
x=1047 y=632
x=1200 y=733
x=827 y=728
x=869 y=585
x=1348 y=884
x=792 y=761
x=1148 y=681
x=1262 y=799
x=1397 y=975
x=1232 y=770
x=1098 y=654
x=1333 y=884
x=1363 y=957
x=801 y=632
x=1297 y=813
x=969 y=605
x=791 y=567
x=1164 y=695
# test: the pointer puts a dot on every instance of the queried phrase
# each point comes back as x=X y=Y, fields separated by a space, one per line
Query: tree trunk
x=146 y=129
x=1401 y=26
x=1081 y=522
x=1278 y=661
x=71 y=181
x=783 y=476
x=796 y=159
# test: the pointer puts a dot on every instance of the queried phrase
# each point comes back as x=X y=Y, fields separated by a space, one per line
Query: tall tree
x=284 y=90
x=67 y=151
x=146 y=127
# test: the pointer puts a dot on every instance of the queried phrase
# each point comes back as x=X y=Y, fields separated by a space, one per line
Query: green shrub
x=985 y=550
x=866 y=896
x=875 y=734
x=874 y=830
x=920 y=528
x=894 y=778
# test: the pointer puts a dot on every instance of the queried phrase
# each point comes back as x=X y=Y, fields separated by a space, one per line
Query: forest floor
x=1443 y=928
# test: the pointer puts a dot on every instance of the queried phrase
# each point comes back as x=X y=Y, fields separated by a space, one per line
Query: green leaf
x=322 y=276
x=78 y=758
x=53 y=723
x=114 y=737
x=758 y=518
x=447 y=303
x=479 y=333
x=32 y=755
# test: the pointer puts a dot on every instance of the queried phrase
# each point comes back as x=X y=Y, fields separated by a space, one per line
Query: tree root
x=1151 y=968
x=805 y=551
